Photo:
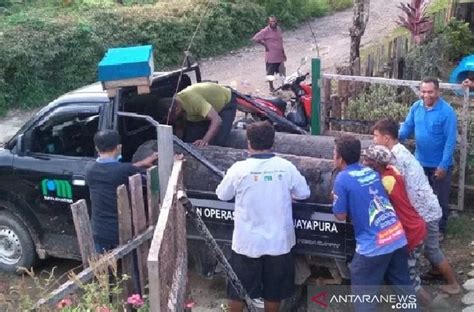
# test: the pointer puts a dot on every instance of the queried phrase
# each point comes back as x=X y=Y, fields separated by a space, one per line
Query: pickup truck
x=42 y=170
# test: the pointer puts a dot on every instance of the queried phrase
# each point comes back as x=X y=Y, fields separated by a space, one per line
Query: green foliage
x=426 y=59
x=291 y=12
x=52 y=47
x=460 y=39
x=434 y=57
x=377 y=102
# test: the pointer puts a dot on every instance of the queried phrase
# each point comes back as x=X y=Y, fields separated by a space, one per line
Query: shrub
x=377 y=102
x=460 y=39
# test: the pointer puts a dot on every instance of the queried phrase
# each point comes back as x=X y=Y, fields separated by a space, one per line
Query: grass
x=462 y=227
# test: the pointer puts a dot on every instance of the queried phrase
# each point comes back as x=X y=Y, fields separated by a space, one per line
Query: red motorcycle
x=292 y=118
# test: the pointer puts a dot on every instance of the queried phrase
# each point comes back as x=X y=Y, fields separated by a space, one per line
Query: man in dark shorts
x=264 y=186
x=271 y=38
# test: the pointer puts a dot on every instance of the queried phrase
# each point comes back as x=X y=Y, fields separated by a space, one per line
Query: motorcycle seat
x=276 y=101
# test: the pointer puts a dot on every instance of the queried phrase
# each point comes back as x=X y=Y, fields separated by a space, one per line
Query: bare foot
x=451 y=289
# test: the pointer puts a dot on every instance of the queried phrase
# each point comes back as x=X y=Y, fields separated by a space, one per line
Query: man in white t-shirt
x=264 y=186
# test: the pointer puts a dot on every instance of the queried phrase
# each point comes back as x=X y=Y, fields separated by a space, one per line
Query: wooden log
x=321 y=146
x=83 y=230
x=318 y=172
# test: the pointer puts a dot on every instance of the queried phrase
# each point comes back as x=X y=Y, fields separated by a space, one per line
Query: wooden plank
x=465 y=120
x=139 y=81
x=161 y=243
x=166 y=154
x=83 y=228
x=139 y=224
x=153 y=194
x=177 y=298
x=125 y=235
x=143 y=89
x=387 y=81
x=87 y=274
x=327 y=103
x=396 y=57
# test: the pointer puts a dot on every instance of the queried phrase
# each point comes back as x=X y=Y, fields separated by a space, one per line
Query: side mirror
x=20 y=145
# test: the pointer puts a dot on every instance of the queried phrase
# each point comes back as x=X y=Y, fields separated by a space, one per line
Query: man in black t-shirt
x=103 y=178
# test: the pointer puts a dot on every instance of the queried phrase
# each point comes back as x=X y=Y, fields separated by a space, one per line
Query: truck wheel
x=16 y=246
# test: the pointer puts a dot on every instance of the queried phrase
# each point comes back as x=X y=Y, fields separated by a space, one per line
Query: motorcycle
x=296 y=115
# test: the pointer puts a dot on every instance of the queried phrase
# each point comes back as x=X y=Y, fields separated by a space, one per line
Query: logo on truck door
x=56 y=190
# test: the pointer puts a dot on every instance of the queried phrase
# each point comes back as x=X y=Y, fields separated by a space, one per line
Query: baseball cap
x=378 y=153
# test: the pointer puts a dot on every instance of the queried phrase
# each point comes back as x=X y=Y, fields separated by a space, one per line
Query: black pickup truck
x=42 y=172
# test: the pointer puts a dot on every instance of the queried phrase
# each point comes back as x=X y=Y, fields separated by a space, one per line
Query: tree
x=359 y=22
x=416 y=20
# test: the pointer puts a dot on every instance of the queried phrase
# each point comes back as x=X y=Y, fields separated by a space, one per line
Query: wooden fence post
x=125 y=235
x=465 y=119
x=83 y=230
x=317 y=119
x=166 y=157
x=326 y=107
x=139 y=223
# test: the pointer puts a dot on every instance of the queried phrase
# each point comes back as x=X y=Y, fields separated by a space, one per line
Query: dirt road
x=244 y=68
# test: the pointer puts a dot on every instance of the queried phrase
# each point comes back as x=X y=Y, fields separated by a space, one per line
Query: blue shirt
x=435 y=132
x=358 y=192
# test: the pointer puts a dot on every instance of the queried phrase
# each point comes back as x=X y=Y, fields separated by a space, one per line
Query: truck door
x=51 y=175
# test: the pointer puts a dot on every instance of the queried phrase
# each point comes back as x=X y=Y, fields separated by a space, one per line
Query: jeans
x=369 y=273
x=441 y=188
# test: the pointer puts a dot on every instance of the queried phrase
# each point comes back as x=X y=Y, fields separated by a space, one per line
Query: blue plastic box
x=126 y=63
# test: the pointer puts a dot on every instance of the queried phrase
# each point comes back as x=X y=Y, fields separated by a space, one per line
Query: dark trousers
x=196 y=130
x=369 y=273
x=441 y=188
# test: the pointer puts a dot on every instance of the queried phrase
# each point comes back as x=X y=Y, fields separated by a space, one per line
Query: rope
x=185 y=59
x=314 y=38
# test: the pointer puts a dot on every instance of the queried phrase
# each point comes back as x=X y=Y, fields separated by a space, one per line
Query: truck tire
x=16 y=246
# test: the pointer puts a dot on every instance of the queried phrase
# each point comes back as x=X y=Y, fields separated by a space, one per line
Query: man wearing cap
x=378 y=157
x=421 y=197
x=209 y=110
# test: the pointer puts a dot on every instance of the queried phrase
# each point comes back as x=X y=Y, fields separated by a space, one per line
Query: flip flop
x=430 y=276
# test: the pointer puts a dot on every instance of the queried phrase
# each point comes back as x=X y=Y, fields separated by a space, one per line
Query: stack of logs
x=312 y=155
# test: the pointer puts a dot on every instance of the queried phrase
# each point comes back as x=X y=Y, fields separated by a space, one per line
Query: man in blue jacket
x=433 y=122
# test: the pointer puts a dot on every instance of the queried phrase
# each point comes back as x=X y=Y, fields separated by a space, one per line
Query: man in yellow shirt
x=209 y=110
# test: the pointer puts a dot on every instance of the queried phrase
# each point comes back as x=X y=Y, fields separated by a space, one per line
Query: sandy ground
x=244 y=69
